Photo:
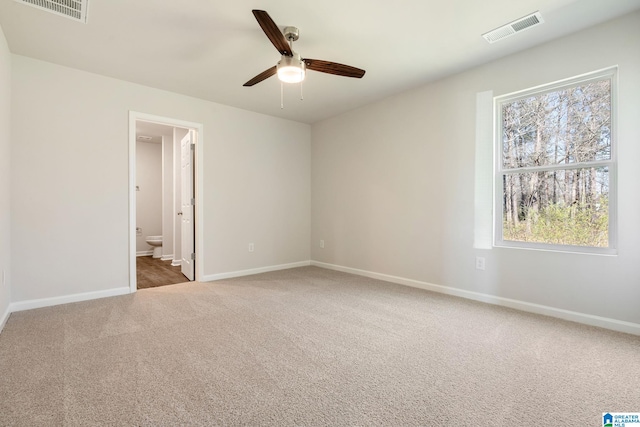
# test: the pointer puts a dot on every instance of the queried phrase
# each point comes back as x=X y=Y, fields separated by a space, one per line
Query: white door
x=187 y=196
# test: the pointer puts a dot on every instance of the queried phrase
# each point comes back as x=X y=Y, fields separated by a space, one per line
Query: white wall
x=149 y=194
x=393 y=184
x=70 y=181
x=5 y=176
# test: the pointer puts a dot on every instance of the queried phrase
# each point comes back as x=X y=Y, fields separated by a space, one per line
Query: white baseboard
x=166 y=257
x=176 y=263
x=47 y=302
x=144 y=253
x=229 y=275
x=588 y=319
x=5 y=317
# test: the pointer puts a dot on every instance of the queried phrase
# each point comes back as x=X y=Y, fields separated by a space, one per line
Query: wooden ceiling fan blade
x=262 y=76
x=334 y=68
x=273 y=32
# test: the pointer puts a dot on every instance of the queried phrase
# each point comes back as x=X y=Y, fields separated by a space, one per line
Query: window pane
x=562 y=127
x=563 y=207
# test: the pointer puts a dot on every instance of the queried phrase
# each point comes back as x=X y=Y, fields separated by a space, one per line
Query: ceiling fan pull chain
x=301 y=94
x=281 y=96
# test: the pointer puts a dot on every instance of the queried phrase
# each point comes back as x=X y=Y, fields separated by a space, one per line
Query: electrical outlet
x=480 y=263
x=321 y=244
x=251 y=247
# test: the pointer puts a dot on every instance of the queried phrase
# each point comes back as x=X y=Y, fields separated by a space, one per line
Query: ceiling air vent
x=74 y=9
x=513 y=27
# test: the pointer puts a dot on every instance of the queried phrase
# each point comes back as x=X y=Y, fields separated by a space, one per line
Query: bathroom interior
x=158 y=205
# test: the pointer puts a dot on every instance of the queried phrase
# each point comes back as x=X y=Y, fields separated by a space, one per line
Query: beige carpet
x=308 y=346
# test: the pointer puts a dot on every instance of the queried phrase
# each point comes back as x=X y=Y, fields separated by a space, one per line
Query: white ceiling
x=155 y=131
x=208 y=49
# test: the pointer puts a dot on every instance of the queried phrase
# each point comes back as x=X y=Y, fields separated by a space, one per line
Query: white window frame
x=611 y=74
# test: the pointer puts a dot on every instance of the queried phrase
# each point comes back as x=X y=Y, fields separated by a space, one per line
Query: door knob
x=179 y=213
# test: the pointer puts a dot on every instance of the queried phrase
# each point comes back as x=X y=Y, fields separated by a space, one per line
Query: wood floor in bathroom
x=153 y=272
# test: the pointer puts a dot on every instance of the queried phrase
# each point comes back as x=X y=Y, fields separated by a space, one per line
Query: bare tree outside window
x=555 y=166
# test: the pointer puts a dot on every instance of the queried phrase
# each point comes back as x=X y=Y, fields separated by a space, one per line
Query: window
x=555 y=166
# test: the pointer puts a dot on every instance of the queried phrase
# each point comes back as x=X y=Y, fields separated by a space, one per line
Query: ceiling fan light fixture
x=291 y=69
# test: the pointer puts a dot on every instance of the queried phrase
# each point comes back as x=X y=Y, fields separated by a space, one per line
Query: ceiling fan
x=292 y=67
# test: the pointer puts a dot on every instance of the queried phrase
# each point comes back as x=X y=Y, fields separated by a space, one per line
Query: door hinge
x=193 y=256
x=193 y=201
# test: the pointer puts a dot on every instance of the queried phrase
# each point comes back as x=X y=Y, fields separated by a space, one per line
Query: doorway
x=164 y=158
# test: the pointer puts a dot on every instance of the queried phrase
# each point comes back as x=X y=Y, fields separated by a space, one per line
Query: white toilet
x=156 y=242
